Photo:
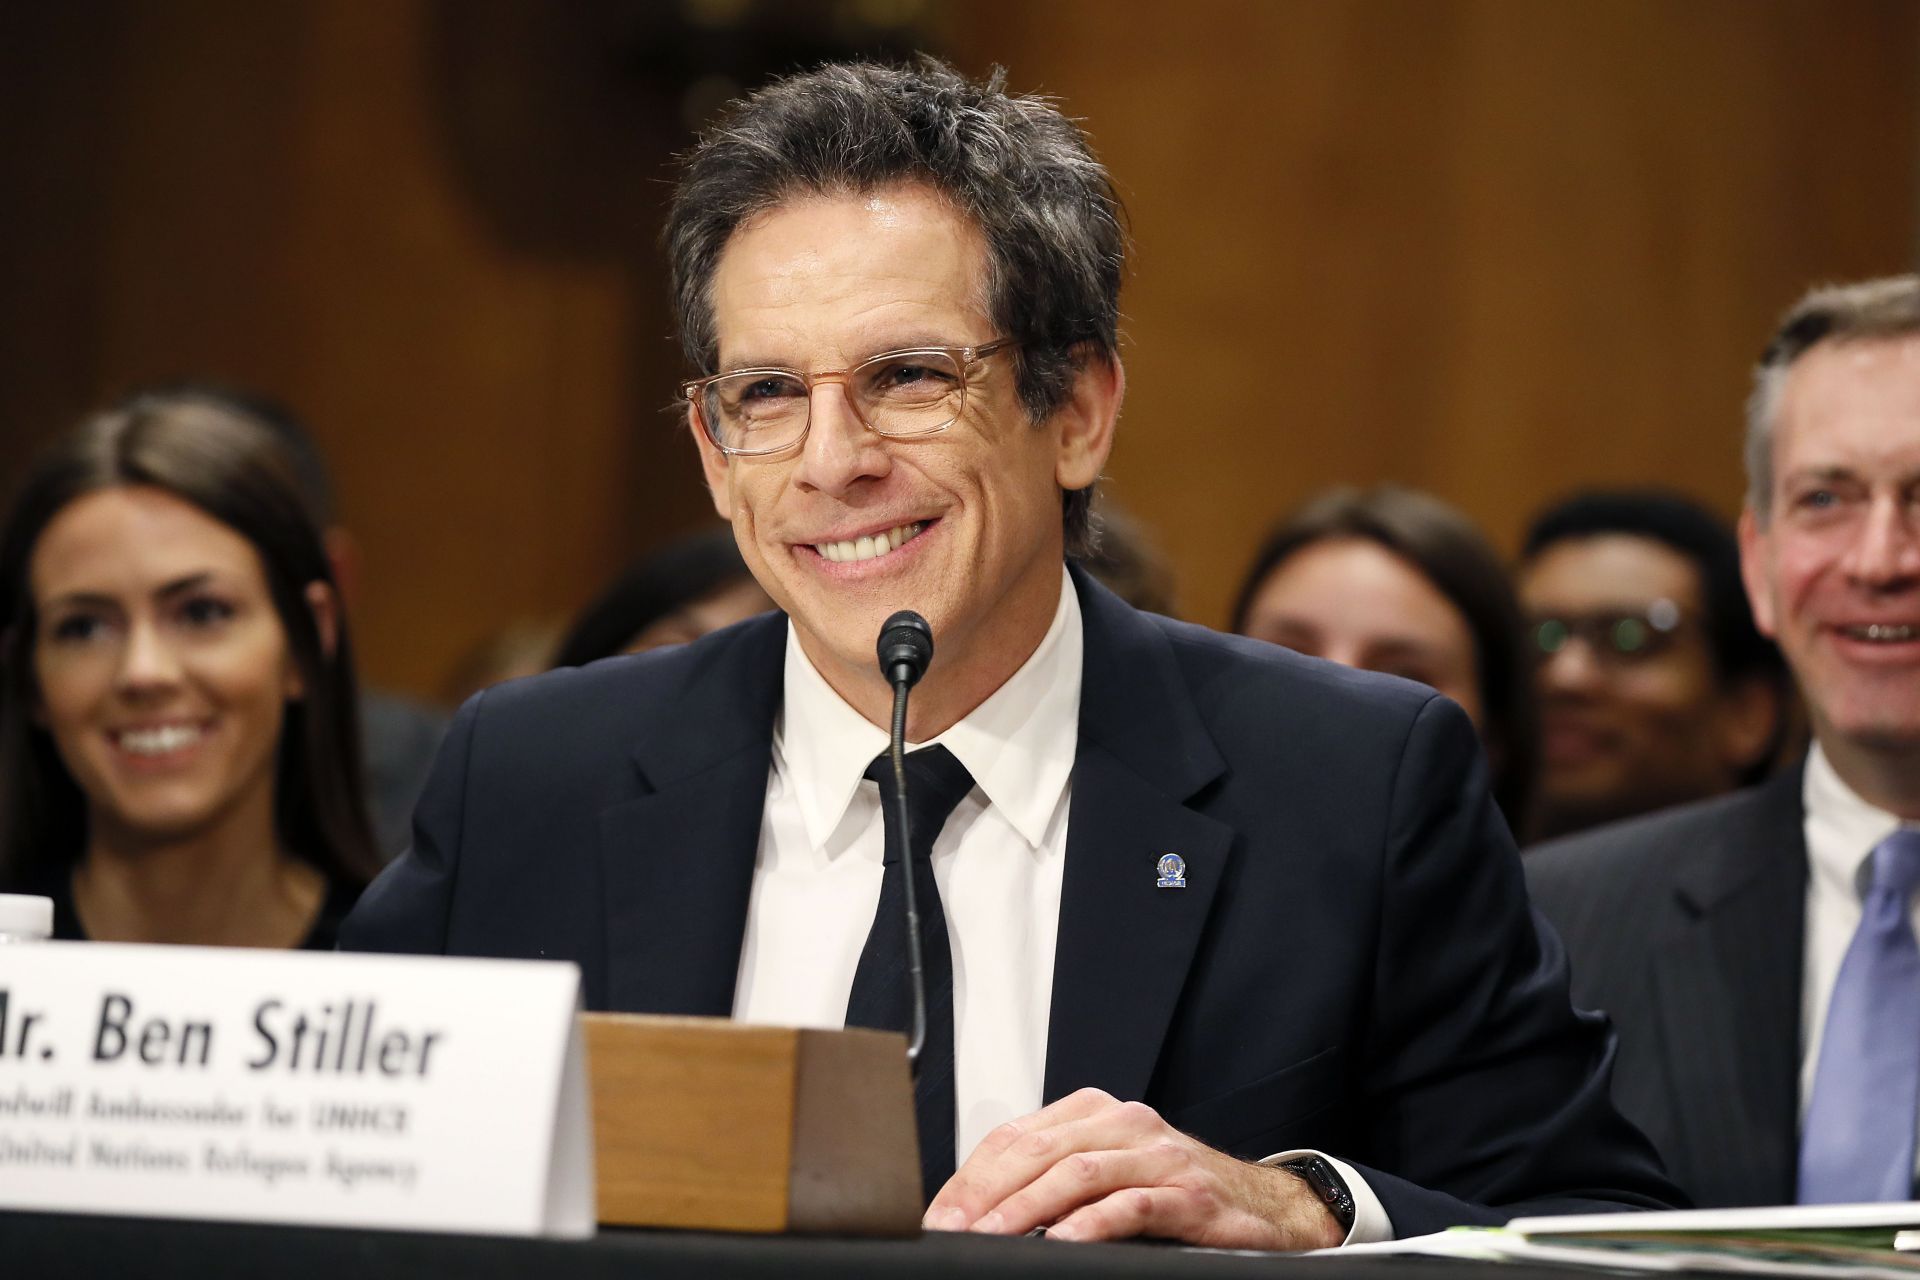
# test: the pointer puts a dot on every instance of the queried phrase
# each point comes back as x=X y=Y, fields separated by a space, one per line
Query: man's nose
x=839 y=450
x=1885 y=552
x=1572 y=668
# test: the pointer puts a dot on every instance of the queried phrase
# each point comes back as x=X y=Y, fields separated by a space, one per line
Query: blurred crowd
x=177 y=583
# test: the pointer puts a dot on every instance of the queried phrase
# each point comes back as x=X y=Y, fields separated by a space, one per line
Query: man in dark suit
x=1757 y=951
x=1195 y=902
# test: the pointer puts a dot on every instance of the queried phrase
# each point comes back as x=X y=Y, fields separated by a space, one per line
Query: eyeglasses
x=917 y=392
x=1617 y=636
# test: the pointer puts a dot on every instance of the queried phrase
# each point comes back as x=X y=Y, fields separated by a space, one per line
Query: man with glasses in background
x=1655 y=688
x=1757 y=951
x=1223 y=944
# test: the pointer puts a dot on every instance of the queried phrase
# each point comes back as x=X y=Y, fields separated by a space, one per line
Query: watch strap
x=1325 y=1181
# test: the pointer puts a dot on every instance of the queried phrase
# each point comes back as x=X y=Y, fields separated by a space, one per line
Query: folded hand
x=1090 y=1167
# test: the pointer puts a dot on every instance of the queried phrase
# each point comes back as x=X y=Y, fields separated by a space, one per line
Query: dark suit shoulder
x=1615 y=866
x=1233 y=675
x=1619 y=893
x=1633 y=842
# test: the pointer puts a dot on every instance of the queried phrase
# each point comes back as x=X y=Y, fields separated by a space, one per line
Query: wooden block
x=712 y=1124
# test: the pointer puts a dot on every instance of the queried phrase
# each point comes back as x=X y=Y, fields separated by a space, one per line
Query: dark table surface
x=42 y=1244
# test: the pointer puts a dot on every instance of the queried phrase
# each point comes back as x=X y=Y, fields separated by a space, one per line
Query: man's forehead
x=1608 y=569
x=853 y=272
x=1844 y=378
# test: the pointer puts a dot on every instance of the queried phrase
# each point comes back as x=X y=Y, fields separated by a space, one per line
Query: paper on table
x=1494 y=1244
x=1788 y=1217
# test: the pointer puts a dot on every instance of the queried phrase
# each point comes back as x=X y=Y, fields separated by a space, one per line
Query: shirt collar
x=1842 y=828
x=1018 y=744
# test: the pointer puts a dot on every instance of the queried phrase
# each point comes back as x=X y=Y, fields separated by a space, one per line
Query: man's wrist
x=1370 y=1222
x=1327 y=1186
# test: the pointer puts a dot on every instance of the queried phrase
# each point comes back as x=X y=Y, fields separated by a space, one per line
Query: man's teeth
x=867 y=548
x=158 y=742
x=1883 y=632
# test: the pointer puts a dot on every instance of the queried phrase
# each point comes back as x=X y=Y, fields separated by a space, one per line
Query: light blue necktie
x=1857 y=1144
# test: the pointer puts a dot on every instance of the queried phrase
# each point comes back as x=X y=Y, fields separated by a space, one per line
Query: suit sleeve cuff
x=1370 y=1222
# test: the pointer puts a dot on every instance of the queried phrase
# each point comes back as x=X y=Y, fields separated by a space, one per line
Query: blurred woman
x=179 y=754
x=676 y=594
x=1393 y=580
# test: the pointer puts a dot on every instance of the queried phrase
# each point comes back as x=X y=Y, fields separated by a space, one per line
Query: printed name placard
x=275 y=1086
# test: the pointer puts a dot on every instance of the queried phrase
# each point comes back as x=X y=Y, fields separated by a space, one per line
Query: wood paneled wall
x=1496 y=249
x=1491 y=248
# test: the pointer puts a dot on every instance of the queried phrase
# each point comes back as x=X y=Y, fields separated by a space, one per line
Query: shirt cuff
x=1370 y=1222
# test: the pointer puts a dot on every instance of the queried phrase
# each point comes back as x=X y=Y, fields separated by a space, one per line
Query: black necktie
x=882 y=996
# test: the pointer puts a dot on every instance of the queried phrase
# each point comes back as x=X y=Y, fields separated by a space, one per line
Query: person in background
x=1757 y=950
x=179 y=748
x=1655 y=688
x=1395 y=580
x=520 y=647
x=398 y=735
x=680 y=592
x=1127 y=561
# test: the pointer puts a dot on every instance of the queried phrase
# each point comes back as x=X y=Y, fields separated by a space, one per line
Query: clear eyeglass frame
x=695 y=392
x=1617 y=636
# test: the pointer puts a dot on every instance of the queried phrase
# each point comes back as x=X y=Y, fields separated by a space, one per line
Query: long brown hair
x=1453 y=555
x=236 y=471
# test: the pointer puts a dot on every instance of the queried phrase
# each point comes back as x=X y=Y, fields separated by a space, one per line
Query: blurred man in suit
x=1655 y=688
x=1757 y=951
x=1189 y=902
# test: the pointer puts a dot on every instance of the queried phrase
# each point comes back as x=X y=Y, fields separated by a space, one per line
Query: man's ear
x=1755 y=547
x=1085 y=423
x=714 y=464
x=324 y=604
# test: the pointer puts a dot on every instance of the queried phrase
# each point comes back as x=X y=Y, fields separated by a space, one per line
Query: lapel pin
x=1173 y=872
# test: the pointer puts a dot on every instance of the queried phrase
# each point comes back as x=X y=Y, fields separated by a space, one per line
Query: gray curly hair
x=1885 y=308
x=1056 y=244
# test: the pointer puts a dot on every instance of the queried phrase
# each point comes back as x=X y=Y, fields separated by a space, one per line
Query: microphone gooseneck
x=904 y=649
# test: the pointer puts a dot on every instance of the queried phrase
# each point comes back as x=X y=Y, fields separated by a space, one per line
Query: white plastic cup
x=25 y=918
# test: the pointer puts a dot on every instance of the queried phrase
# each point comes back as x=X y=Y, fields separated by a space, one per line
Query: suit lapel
x=1124 y=944
x=678 y=860
x=1728 y=997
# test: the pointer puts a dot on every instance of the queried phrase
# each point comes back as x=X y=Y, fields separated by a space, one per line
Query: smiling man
x=1223 y=944
x=1655 y=689
x=1758 y=951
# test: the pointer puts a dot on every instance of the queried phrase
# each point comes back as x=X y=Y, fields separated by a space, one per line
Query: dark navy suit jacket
x=1686 y=926
x=1352 y=966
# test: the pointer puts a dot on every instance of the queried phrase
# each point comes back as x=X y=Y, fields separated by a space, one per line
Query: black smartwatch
x=1326 y=1183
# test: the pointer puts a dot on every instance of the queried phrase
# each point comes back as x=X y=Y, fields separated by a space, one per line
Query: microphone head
x=905 y=648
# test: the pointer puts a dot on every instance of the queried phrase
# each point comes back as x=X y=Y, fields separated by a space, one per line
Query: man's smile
x=870 y=546
x=1880 y=632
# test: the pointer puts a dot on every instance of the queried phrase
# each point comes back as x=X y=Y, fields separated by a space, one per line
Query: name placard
x=350 y=1090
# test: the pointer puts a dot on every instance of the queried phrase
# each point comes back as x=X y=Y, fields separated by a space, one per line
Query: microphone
x=905 y=648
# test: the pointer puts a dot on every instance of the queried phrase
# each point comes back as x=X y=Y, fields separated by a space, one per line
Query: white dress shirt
x=1842 y=830
x=998 y=863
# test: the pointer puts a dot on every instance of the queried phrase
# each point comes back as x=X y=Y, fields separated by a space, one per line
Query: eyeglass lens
x=904 y=394
x=1622 y=635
